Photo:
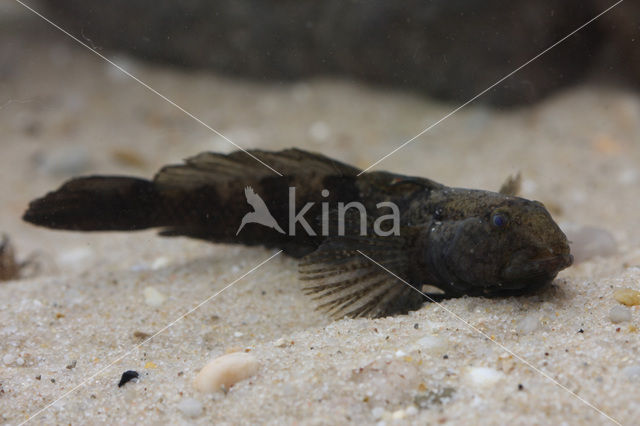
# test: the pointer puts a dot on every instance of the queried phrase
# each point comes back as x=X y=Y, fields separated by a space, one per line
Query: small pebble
x=74 y=256
x=8 y=359
x=528 y=324
x=160 y=263
x=398 y=415
x=627 y=296
x=483 y=376
x=141 y=335
x=20 y=361
x=226 y=371
x=153 y=297
x=190 y=407
x=280 y=343
x=377 y=412
x=434 y=345
x=619 y=314
x=127 y=376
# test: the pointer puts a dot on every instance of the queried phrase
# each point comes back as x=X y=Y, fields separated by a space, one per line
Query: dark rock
x=451 y=49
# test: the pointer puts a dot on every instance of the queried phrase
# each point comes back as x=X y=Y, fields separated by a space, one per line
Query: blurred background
x=446 y=49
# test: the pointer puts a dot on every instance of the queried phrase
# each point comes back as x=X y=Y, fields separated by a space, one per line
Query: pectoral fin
x=346 y=283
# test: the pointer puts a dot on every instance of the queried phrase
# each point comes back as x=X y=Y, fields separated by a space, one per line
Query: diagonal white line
x=492 y=86
x=474 y=328
x=146 y=86
x=145 y=341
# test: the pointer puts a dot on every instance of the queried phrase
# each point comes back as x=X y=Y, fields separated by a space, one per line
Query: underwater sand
x=64 y=111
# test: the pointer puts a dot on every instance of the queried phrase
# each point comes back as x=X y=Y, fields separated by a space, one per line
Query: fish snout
x=527 y=267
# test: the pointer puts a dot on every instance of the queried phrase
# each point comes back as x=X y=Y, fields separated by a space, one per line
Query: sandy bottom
x=64 y=111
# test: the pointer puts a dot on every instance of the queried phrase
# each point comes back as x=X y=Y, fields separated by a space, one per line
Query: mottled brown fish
x=461 y=241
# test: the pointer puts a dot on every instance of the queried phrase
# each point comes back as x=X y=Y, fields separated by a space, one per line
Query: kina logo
x=260 y=213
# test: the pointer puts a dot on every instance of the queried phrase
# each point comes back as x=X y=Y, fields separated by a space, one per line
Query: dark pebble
x=127 y=376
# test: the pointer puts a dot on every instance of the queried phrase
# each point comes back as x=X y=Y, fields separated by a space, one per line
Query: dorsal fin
x=209 y=168
x=511 y=185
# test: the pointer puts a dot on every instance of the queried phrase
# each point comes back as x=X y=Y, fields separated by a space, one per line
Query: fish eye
x=499 y=219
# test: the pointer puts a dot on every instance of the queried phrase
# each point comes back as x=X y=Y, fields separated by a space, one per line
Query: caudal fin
x=99 y=203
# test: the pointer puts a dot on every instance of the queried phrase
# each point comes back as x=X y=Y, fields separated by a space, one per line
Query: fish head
x=492 y=242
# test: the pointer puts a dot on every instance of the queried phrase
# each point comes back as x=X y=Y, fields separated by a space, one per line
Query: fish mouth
x=557 y=263
x=524 y=270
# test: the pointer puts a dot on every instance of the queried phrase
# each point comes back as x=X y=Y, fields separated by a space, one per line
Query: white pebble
x=74 y=256
x=483 y=376
x=619 y=313
x=8 y=359
x=20 y=361
x=159 y=263
x=377 y=413
x=528 y=324
x=190 y=407
x=398 y=415
x=434 y=345
x=226 y=371
x=400 y=353
x=238 y=334
x=153 y=297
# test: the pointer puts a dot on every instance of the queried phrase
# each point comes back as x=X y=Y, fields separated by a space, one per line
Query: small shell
x=225 y=371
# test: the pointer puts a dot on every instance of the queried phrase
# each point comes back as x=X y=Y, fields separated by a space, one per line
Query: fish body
x=366 y=241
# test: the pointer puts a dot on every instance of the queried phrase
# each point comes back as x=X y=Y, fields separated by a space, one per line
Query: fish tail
x=99 y=203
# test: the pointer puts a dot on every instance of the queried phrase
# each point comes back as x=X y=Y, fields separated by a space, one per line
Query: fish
x=368 y=242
